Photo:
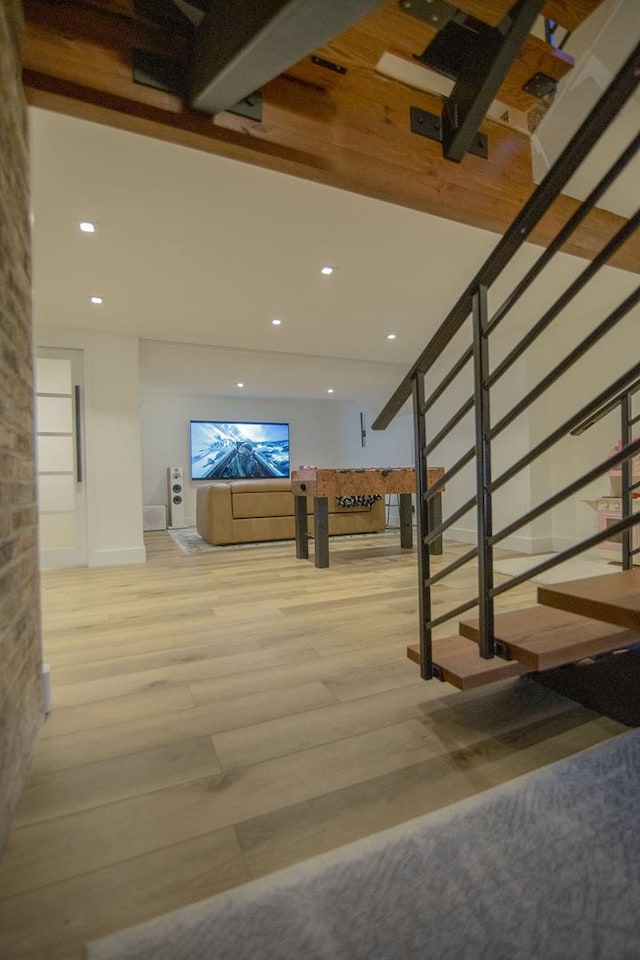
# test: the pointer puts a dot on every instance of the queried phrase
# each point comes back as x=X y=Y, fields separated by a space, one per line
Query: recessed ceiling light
x=97 y=300
x=276 y=321
x=87 y=227
x=239 y=384
x=330 y=390
x=327 y=271
x=391 y=336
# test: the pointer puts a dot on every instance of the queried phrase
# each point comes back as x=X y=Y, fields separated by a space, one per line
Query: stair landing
x=541 y=638
x=614 y=598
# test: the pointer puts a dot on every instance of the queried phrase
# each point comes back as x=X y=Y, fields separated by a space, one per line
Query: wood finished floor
x=221 y=715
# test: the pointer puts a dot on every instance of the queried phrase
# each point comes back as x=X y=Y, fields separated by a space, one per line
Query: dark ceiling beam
x=240 y=46
x=347 y=130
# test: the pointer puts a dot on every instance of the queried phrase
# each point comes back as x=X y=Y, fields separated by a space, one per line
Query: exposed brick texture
x=20 y=650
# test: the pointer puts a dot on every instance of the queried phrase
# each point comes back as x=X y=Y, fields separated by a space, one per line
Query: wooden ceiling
x=349 y=130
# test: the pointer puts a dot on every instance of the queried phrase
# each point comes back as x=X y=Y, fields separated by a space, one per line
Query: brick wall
x=20 y=657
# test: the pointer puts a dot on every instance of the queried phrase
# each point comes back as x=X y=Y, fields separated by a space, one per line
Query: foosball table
x=322 y=483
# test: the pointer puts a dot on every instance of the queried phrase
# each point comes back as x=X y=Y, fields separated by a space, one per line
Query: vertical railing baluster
x=626 y=480
x=483 y=471
x=424 y=592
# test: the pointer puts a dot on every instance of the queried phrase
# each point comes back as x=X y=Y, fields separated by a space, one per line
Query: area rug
x=576 y=569
x=190 y=541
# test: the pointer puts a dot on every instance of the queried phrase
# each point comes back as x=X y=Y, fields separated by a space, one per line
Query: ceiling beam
x=346 y=130
x=567 y=13
x=389 y=29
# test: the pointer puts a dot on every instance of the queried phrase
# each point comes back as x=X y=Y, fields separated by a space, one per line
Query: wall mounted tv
x=231 y=450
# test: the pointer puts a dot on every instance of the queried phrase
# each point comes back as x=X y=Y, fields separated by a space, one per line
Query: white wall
x=513 y=499
x=392 y=447
x=112 y=435
x=574 y=520
x=164 y=417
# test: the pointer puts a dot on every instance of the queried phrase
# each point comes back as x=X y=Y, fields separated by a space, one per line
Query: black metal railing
x=472 y=309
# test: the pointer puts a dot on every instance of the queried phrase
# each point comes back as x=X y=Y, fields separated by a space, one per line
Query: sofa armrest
x=214 y=516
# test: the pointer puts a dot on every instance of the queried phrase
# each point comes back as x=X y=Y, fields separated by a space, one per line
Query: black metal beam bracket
x=430 y=125
x=477 y=57
x=540 y=85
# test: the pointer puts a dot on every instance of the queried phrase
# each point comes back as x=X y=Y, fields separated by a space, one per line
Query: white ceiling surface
x=194 y=249
x=197 y=370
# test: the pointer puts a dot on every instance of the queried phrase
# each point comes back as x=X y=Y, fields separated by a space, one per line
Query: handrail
x=437 y=392
x=619 y=238
x=457 y=563
x=558 y=242
x=561 y=495
x=607 y=408
x=450 y=473
x=459 y=415
x=619 y=393
x=597 y=121
x=436 y=532
x=456 y=611
x=579 y=351
x=564 y=428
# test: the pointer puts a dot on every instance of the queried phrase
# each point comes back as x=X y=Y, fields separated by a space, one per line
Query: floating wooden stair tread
x=461 y=666
x=567 y=13
x=541 y=637
x=614 y=598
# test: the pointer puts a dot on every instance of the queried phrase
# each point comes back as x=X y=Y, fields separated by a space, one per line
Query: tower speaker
x=175 y=498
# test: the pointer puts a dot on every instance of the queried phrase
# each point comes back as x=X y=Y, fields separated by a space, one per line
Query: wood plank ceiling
x=349 y=130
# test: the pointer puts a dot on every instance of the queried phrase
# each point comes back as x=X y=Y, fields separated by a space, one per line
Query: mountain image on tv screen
x=236 y=451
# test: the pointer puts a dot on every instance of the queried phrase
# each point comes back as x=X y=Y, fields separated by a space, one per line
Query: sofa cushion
x=261 y=504
x=261 y=486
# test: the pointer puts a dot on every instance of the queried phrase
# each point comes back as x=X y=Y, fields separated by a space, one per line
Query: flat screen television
x=232 y=450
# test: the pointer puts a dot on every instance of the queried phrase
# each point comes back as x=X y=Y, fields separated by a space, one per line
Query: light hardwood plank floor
x=220 y=715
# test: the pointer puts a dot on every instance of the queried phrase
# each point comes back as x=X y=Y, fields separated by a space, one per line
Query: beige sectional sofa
x=246 y=511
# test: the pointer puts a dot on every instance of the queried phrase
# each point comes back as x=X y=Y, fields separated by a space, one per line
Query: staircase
x=574 y=621
x=578 y=619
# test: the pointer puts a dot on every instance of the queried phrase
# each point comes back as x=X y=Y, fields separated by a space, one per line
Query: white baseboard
x=563 y=543
x=460 y=535
x=113 y=558
x=531 y=545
